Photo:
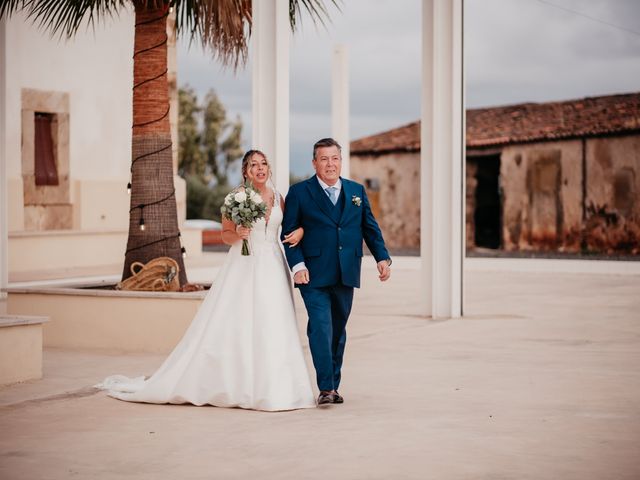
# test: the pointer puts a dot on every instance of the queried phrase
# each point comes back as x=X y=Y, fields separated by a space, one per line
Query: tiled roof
x=527 y=122
x=401 y=139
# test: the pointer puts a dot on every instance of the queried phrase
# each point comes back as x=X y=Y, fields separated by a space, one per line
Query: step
x=20 y=348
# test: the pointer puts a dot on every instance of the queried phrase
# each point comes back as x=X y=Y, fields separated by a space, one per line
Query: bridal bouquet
x=244 y=206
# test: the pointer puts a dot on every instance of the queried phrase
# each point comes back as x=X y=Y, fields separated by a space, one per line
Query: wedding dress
x=242 y=348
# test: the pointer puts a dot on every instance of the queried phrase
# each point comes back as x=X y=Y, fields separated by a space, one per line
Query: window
x=46 y=171
x=372 y=184
x=45 y=160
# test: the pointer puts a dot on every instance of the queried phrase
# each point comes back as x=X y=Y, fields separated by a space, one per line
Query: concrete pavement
x=539 y=381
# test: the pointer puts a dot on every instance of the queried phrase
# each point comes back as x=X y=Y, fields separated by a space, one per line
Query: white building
x=65 y=144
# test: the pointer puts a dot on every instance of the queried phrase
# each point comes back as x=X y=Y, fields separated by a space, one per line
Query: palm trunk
x=153 y=201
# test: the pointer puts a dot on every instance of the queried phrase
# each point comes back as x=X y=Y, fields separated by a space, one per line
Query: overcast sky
x=516 y=51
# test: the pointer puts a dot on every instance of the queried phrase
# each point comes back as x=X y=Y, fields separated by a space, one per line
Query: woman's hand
x=243 y=232
x=294 y=237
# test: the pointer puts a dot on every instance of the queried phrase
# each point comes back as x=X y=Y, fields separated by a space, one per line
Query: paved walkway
x=539 y=381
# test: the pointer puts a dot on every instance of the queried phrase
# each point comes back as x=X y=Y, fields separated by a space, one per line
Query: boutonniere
x=357 y=201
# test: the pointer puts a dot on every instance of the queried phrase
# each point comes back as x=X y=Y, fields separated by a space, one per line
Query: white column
x=4 y=234
x=442 y=158
x=340 y=103
x=270 y=64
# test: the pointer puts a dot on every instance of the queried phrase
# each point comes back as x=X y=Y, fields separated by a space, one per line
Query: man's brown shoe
x=326 y=398
x=337 y=398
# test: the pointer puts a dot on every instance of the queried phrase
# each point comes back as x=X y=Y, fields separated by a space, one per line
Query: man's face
x=327 y=164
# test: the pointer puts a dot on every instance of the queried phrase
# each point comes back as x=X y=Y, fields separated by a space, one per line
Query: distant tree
x=221 y=139
x=197 y=195
x=191 y=160
x=232 y=146
x=210 y=145
x=211 y=208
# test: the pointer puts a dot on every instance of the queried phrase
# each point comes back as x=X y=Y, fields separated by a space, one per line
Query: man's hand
x=385 y=270
x=301 y=277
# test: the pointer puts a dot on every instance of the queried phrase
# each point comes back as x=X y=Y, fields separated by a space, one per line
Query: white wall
x=96 y=69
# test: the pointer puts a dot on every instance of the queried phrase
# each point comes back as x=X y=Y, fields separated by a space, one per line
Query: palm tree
x=223 y=27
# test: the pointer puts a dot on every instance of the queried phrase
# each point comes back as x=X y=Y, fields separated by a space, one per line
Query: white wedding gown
x=242 y=348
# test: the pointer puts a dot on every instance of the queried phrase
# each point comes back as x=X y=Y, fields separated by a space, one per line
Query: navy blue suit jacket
x=332 y=244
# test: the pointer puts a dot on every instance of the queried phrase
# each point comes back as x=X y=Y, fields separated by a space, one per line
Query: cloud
x=527 y=50
x=516 y=51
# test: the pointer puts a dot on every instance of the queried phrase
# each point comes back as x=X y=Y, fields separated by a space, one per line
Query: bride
x=242 y=348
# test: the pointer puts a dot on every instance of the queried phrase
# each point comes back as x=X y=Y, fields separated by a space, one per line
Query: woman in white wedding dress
x=242 y=348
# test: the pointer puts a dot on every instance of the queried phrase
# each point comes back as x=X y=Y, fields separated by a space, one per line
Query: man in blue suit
x=336 y=217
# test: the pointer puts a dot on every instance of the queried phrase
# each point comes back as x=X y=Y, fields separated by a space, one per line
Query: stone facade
x=557 y=178
x=541 y=185
x=392 y=183
x=613 y=194
x=575 y=195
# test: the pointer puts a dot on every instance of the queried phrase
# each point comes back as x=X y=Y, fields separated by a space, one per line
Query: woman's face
x=258 y=170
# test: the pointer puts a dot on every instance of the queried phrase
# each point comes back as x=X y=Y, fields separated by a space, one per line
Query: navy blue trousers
x=328 y=309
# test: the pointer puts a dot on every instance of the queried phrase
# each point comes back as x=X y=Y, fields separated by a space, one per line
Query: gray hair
x=325 y=142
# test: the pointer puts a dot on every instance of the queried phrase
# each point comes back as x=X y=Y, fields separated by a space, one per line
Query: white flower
x=240 y=197
x=228 y=199
x=357 y=201
x=256 y=198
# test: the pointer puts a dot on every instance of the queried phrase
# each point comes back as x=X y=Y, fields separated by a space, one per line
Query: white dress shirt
x=338 y=185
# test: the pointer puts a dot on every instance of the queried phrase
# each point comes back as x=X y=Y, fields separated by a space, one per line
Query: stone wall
x=393 y=188
x=542 y=195
x=471 y=183
x=612 y=200
x=544 y=206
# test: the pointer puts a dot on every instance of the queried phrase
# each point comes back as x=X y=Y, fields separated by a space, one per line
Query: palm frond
x=9 y=7
x=315 y=8
x=223 y=26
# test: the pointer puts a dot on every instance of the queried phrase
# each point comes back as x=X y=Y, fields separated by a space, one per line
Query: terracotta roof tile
x=401 y=139
x=523 y=123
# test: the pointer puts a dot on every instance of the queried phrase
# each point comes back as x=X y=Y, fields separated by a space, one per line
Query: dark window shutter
x=46 y=171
